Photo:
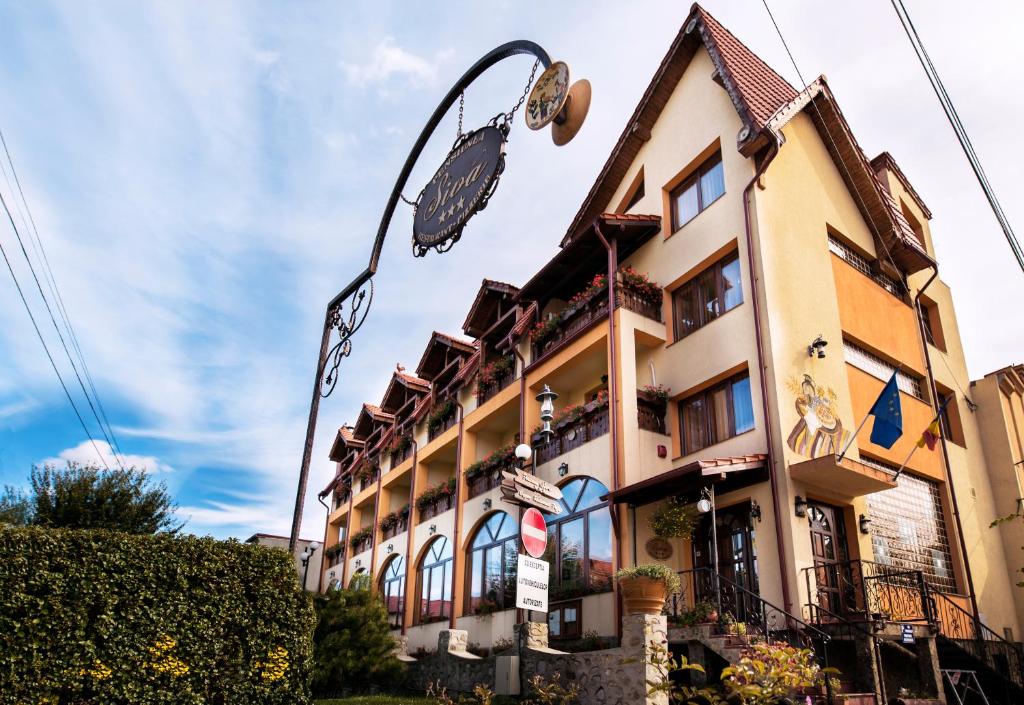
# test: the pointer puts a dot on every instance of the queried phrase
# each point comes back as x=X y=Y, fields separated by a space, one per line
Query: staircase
x=967 y=645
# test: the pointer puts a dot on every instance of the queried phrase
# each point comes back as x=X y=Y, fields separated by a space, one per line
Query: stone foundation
x=608 y=677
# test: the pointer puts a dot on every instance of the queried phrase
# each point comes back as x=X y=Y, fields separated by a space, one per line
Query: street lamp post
x=347 y=311
x=307 y=553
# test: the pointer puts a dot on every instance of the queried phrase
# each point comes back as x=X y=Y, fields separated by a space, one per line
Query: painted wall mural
x=820 y=430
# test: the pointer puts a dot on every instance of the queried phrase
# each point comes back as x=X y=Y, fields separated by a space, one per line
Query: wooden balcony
x=489 y=392
x=436 y=508
x=650 y=415
x=572 y=433
x=487 y=480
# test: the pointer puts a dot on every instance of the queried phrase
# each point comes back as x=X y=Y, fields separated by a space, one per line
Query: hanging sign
x=534 y=531
x=532 y=584
x=527 y=490
x=459 y=189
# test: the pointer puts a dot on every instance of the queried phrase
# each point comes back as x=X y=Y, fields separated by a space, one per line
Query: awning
x=726 y=474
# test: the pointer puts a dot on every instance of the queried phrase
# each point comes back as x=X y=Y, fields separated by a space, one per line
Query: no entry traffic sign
x=534 y=532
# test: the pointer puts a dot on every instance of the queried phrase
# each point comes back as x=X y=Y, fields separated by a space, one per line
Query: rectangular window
x=908 y=528
x=698 y=191
x=707 y=296
x=716 y=414
x=877 y=367
x=565 y=620
x=929 y=313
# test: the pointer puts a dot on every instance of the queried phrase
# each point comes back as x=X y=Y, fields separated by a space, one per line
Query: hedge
x=107 y=617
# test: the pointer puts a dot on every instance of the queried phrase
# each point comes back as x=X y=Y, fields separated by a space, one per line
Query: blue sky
x=206 y=176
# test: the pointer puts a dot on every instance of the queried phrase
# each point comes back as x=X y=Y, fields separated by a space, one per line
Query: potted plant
x=673 y=519
x=657 y=394
x=641 y=285
x=491 y=374
x=440 y=414
x=645 y=587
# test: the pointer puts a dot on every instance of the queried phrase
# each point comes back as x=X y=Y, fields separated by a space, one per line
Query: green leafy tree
x=352 y=643
x=88 y=497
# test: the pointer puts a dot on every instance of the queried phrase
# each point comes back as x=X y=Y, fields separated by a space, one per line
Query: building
x=309 y=572
x=728 y=302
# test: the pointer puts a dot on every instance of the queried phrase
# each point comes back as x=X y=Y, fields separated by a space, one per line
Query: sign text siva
x=455 y=192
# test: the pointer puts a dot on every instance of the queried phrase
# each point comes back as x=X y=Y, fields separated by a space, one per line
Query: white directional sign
x=524 y=489
x=532 y=584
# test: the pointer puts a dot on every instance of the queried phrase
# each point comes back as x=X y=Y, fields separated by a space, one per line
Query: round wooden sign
x=659 y=548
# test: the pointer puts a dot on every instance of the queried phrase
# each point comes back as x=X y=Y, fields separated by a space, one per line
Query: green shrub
x=353 y=646
x=105 y=617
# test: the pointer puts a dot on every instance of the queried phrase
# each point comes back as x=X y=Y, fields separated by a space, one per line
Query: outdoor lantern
x=487 y=504
x=755 y=511
x=524 y=453
x=817 y=347
x=391 y=548
x=704 y=505
x=547 y=410
x=801 y=507
x=865 y=524
x=563 y=469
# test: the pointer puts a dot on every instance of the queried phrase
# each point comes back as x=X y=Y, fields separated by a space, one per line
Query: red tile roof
x=886 y=161
x=525 y=319
x=413 y=380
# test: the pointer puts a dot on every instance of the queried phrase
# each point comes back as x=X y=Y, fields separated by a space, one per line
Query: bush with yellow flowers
x=106 y=617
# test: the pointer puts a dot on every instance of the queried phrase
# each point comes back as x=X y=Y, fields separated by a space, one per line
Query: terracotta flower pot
x=643 y=595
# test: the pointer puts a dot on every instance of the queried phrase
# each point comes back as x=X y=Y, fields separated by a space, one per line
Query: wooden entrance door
x=737 y=559
x=829 y=550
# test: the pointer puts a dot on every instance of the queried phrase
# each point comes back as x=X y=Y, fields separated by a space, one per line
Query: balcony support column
x=457 y=522
x=409 y=530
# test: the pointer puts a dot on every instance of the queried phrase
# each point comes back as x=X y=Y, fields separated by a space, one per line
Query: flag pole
x=853 y=437
x=905 y=461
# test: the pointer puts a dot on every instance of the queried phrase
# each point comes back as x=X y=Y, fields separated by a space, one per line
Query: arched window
x=392 y=589
x=580 y=541
x=435 y=578
x=492 y=565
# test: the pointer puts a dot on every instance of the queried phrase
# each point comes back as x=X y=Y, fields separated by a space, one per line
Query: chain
x=526 y=92
x=462 y=105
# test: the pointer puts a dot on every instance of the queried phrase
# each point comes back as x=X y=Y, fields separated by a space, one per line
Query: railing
x=342 y=497
x=491 y=390
x=867 y=591
x=433 y=433
x=362 y=545
x=854 y=674
x=392 y=531
x=573 y=320
x=593 y=424
x=959 y=626
x=487 y=480
x=650 y=415
x=631 y=301
x=437 y=507
x=335 y=554
x=399 y=456
x=366 y=481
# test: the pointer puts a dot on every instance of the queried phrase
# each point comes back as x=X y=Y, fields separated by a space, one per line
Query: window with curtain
x=698 y=191
x=716 y=414
x=580 y=541
x=707 y=296
x=392 y=589
x=492 y=565
x=435 y=578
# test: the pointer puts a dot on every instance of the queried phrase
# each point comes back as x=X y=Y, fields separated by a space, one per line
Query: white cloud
x=88 y=453
x=390 y=60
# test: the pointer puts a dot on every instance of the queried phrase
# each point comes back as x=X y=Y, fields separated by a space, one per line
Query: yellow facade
x=821 y=268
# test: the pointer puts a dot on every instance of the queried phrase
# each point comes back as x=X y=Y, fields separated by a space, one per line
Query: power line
x=958 y=127
x=60 y=379
x=51 y=280
x=24 y=252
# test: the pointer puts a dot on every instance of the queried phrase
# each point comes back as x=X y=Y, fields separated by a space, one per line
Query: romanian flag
x=930 y=436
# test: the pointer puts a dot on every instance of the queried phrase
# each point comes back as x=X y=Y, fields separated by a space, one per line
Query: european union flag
x=888 y=415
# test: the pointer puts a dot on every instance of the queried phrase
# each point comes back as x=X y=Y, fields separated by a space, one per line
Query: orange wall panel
x=864 y=390
x=876 y=318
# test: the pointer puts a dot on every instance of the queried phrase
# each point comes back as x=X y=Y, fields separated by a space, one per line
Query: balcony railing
x=650 y=415
x=487 y=480
x=363 y=544
x=435 y=431
x=368 y=479
x=389 y=532
x=491 y=390
x=436 y=508
x=570 y=434
x=399 y=456
x=335 y=554
x=575 y=319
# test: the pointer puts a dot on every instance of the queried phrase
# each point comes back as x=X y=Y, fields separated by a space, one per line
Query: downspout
x=320 y=578
x=373 y=532
x=456 y=545
x=773 y=476
x=348 y=528
x=613 y=394
x=409 y=530
x=945 y=453
x=520 y=616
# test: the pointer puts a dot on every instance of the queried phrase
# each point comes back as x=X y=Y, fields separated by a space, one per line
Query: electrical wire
x=49 y=311
x=51 y=281
x=958 y=127
x=60 y=379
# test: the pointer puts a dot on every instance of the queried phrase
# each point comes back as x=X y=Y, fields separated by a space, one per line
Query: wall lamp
x=755 y=510
x=391 y=548
x=706 y=502
x=865 y=524
x=359 y=562
x=801 y=507
x=433 y=529
x=563 y=469
x=817 y=348
x=487 y=505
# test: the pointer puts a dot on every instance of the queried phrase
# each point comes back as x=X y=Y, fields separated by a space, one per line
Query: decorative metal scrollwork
x=347 y=324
